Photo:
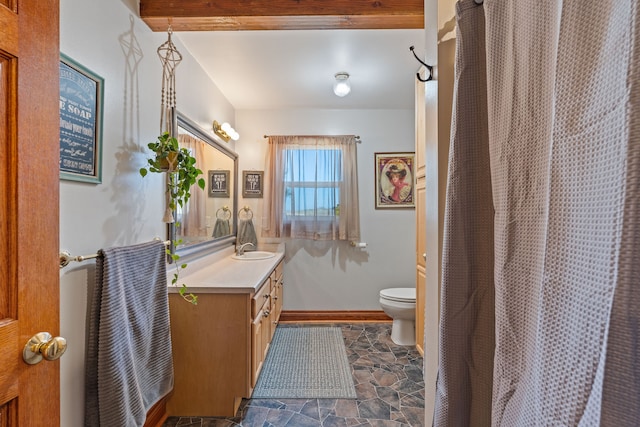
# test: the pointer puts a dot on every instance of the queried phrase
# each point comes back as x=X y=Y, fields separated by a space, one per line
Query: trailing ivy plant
x=182 y=172
x=182 y=290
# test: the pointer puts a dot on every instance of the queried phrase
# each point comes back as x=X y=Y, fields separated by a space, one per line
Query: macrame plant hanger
x=170 y=58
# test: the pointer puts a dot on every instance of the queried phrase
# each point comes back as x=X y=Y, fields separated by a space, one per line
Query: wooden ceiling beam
x=235 y=15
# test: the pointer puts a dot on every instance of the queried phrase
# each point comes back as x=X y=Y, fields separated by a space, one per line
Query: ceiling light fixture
x=225 y=131
x=342 y=87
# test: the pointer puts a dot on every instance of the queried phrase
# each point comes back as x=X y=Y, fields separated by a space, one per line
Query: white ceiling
x=295 y=68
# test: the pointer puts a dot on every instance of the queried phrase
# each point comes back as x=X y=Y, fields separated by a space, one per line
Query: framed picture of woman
x=394 y=180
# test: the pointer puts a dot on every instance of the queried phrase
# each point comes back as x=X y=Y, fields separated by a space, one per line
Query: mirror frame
x=213 y=245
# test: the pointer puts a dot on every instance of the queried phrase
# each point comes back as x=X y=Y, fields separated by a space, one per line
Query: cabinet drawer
x=260 y=297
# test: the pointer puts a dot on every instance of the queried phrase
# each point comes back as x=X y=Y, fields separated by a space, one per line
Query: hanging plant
x=180 y=167
x=182 y=174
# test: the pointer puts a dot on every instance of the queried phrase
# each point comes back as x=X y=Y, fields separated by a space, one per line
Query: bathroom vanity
x=220 y=344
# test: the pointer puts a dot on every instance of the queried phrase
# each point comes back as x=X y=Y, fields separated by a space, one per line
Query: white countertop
x=220 y=273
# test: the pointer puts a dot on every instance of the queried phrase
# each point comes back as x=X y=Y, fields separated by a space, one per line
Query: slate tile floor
x=388 y=380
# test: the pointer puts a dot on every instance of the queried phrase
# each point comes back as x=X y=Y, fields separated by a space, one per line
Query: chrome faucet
x=240 y=249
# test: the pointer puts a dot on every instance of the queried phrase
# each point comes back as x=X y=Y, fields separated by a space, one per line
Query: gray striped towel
x=129 y=361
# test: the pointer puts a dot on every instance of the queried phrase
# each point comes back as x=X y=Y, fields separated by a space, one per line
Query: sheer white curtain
x=311 y=188
x=192 y=216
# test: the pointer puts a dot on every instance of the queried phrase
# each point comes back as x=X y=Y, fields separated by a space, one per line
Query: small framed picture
x=219 y=183
x=394 y=180
x=252 y=184
x=81 y=100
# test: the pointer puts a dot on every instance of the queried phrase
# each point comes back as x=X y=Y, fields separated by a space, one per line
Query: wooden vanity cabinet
x=267 y=308
x=219 y=346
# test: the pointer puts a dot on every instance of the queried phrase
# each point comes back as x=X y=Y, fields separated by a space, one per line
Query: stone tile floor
x=388 y=380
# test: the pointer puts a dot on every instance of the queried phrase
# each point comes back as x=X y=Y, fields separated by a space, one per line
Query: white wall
x=335 y=276
x=106 y=37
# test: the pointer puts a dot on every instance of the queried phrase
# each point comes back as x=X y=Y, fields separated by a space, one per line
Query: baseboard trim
x=347 y=316
x=157 y=414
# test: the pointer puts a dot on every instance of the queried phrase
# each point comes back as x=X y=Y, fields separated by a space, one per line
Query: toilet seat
x=399 y=294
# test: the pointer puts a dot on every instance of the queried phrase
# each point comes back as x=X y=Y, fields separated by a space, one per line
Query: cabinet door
x=212 y=354
x=275 y=308
x=420 y=193
x=421 y=233
x=278 y=300
x=420 y=306
x=257 y=347
x=267 y=330
x=420 y=121
x=280 y=290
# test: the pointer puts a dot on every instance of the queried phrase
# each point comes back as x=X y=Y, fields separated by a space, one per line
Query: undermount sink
x=254 y=255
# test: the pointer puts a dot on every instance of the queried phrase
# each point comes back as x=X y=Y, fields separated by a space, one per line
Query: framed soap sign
x=81 y=100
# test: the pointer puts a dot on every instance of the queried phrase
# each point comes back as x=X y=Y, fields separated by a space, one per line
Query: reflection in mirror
x=207 y=222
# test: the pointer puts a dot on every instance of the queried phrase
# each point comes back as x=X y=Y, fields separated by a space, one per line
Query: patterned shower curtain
x=540 y=299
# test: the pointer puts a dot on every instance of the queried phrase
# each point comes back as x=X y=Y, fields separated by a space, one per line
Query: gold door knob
x=42 y=345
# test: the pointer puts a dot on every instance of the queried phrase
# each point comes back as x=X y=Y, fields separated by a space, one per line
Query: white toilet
x=400 y=305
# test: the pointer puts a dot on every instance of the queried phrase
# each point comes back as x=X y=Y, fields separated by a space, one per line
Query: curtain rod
x=357 y=137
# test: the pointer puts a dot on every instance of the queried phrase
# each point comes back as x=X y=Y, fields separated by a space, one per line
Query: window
x=312 y=179
x=311 y=189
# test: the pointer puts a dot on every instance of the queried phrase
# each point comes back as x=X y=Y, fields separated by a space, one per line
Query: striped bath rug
x=306 y=363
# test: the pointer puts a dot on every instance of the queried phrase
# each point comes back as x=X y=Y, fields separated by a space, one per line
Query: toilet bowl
x=400 y=305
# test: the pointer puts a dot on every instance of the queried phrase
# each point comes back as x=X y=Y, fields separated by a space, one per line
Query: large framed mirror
x=208 y=222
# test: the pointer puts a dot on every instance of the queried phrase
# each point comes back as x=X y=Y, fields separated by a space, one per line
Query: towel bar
x=66 y=258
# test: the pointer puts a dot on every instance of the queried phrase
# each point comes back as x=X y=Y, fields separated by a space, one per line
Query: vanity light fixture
x=225 y=131
x=342 y=87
